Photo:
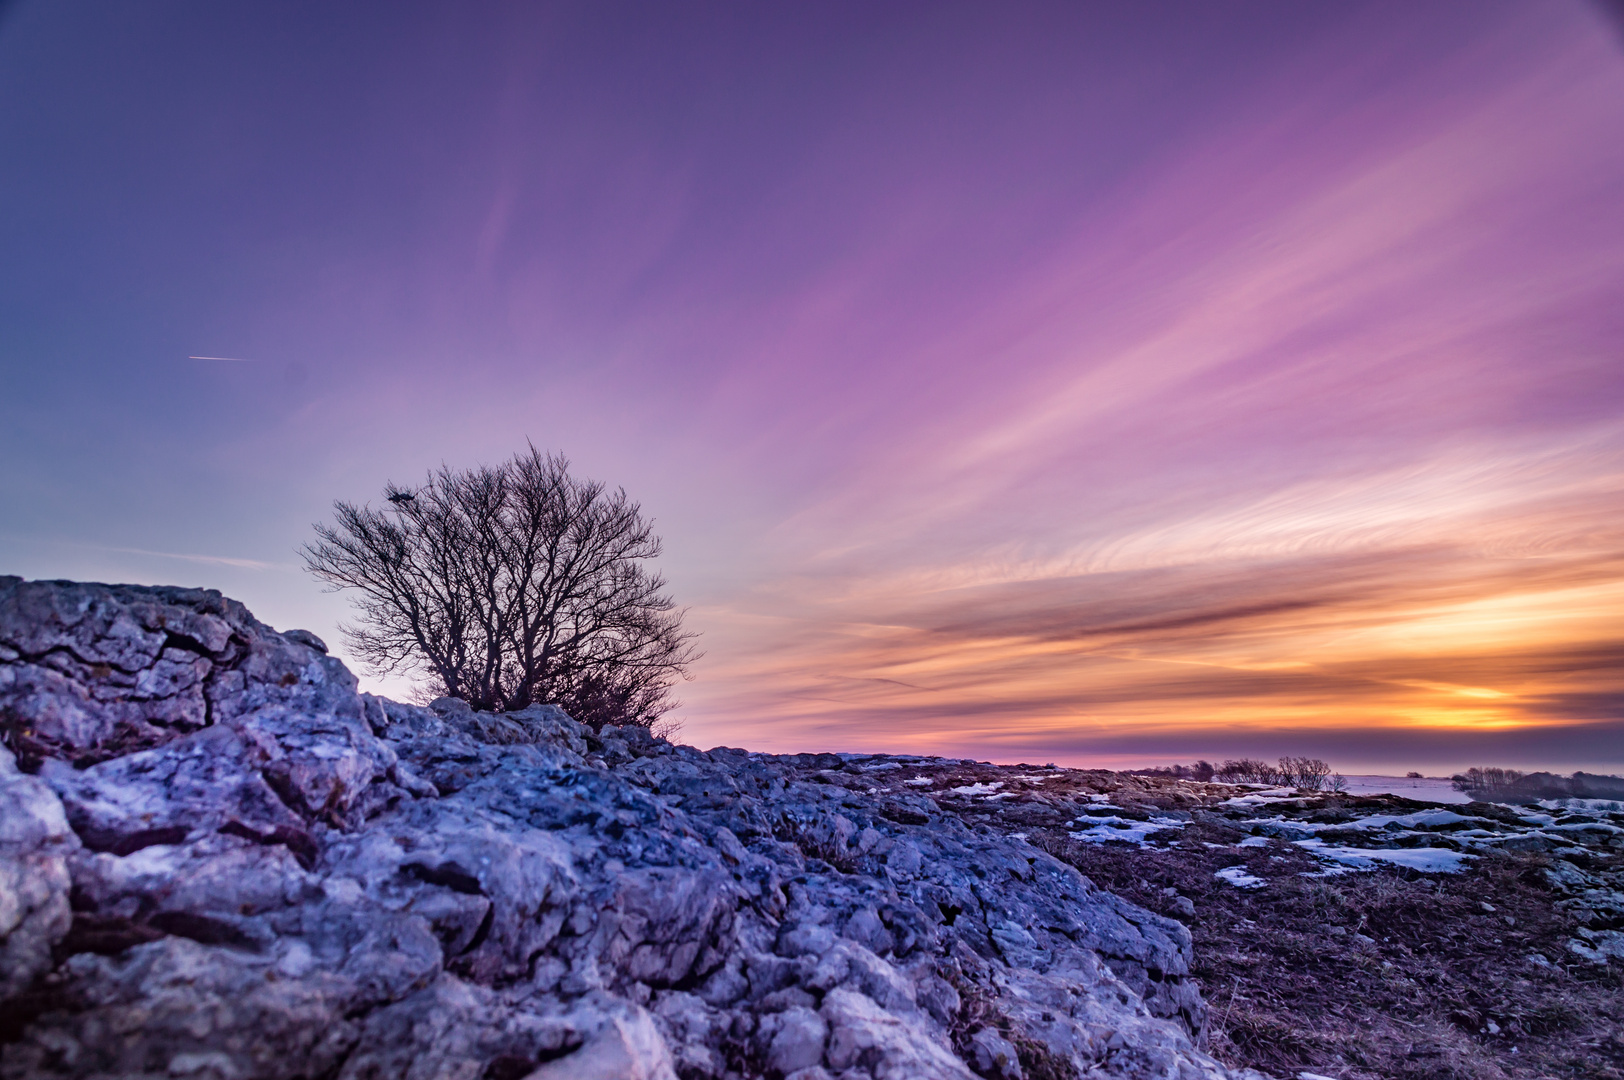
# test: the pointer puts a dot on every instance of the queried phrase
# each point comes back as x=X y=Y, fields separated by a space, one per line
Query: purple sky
x=1092 y=383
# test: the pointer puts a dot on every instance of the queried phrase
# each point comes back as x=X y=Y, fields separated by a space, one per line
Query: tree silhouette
x=509 y=586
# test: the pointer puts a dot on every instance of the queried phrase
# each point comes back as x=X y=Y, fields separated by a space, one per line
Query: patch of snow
x=1238 y=877
x=1426 y=860
x=1429 y=819
x=1261 y=798
x=1392 y=823
x=1104 y=799
x=1582 y=804
x=1254 y=841
x=1596 y=827
x=1104 y=829
x=977 y=789
x=919 y=781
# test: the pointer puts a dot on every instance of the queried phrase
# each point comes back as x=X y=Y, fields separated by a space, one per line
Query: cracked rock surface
x=217 y=859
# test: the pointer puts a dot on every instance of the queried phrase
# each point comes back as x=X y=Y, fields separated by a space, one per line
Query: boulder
x=35 y=846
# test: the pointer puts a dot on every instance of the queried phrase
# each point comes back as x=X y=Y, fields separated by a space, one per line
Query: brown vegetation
x=1388 y=973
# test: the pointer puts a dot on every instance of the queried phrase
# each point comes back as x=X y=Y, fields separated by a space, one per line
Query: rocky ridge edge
x=218 y=859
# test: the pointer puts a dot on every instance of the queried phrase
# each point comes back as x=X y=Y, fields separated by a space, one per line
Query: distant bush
x=1201 y=771
x=1247 y=771
x=1300 y=772
x=1485 y=782
x=1311 y=774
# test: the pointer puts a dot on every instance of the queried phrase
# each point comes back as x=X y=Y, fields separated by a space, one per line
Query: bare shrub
x=1247 y=771
x=1201 y=771
x=1304 y=772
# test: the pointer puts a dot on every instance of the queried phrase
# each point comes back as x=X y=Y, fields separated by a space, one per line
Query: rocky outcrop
x=217 y=859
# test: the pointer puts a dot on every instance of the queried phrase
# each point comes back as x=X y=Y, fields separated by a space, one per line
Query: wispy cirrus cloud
x=1324 y=448
x=1076 y=380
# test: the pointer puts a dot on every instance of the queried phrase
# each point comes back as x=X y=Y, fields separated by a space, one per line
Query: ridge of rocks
x=218 y=859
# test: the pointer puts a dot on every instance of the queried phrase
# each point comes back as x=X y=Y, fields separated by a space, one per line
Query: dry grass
x=1383 y=974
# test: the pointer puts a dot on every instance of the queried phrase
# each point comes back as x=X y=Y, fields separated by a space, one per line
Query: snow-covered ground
x=1428 y=860
x=1100 y=830
x=1238 y=877
x=1583 y=804
x=1423 y=789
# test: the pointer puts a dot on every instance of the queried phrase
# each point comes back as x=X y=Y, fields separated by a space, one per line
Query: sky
x=1103 y=384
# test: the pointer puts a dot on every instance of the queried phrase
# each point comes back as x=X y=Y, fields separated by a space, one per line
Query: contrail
x=233 y=359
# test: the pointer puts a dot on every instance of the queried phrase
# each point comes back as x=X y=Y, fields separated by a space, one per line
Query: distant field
x=1426 y=789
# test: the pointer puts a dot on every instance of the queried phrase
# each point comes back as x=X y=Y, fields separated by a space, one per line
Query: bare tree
x=511 y=586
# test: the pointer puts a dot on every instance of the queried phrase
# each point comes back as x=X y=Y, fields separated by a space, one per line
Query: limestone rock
x=274 y=876
x=35 y=844
x=994 y=1056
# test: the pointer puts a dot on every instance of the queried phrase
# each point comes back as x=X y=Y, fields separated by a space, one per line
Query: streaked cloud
x=1083 y=382
x=1308 y=492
